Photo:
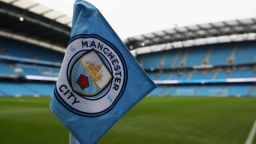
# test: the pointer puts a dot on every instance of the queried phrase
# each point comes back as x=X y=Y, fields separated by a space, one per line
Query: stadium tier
x=209 y=74
x=18 y=60
x=26 y=89
x=214 y=55
x=227 y=69
x=16 y=49
x=27 y=69
x=206 y=90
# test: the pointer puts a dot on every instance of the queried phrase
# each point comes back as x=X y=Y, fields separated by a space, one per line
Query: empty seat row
x=26 y=89
x=205 y=90
x=9 y=47
x=27 y=69
x=219 y=73
x=216 y=55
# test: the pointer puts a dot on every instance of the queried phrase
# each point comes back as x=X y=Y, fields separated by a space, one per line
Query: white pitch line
x=251 y=135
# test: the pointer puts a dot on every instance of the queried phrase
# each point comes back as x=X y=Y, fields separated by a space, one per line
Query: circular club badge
x=92 y=76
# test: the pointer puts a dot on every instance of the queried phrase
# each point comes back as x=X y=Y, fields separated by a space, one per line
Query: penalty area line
x=251 y=135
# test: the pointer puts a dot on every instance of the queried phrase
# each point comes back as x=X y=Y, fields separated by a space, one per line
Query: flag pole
x=72 y=139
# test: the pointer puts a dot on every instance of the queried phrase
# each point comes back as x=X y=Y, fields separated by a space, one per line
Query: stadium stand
x=210 y=74
x=215 y=55
x=192 y=61
x=204 y=90
x=26 y=89
x=16 y=49
x=33 y=38
x=235 y=60
x=21 y=59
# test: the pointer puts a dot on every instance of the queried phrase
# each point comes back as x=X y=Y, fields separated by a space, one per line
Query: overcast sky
x=134 y=17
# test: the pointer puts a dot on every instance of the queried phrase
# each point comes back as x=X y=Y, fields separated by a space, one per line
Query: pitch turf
x=161 y=120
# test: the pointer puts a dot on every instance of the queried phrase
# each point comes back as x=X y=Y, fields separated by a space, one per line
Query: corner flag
x=99 y=80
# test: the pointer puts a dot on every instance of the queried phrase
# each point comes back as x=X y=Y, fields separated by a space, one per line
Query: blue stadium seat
x=179 y=59
x=157 y=91
x=196 y=56
x=23 y=50
x=163 y=76
x=169 y=91
x=27 y=69
x=5 y=69
x=240 y=72
x=41 y=89
x=169 y=58
x=26 y=89
x=183 y=91
x=238 y=90
x=246 y=53
x=151 y=61
x=14 y=89
x=220 y=54
x=206 y=74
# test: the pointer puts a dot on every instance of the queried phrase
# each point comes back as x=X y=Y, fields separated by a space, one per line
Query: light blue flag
x=99 y=80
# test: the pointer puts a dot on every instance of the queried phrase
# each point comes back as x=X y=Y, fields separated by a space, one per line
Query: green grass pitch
x=161 y=120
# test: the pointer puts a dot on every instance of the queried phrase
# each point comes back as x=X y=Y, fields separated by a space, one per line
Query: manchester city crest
x=90 y=75
x=94 y=77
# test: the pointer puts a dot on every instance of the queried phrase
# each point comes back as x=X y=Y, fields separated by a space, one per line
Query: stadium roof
x=34 y=21
x=226 y=29
x=41 y=10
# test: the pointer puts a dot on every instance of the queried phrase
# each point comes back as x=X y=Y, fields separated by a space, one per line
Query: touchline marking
x=251 y=135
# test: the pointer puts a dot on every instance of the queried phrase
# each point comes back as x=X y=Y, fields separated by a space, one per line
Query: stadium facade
x=214 y=59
